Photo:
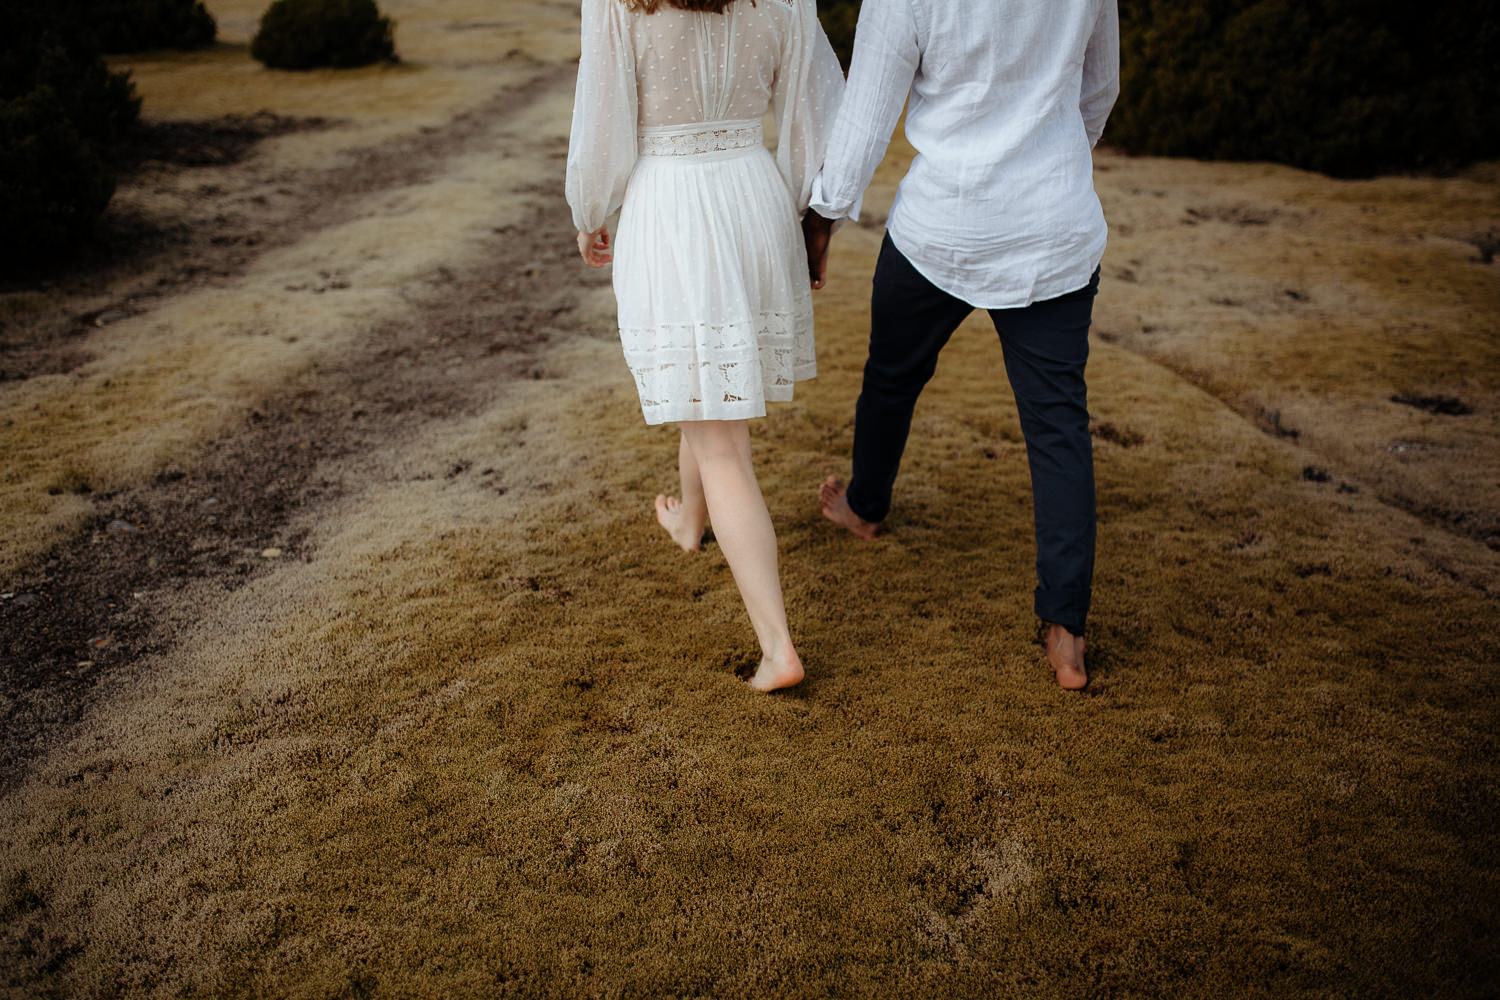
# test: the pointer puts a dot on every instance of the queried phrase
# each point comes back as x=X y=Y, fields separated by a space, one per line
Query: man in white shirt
x=1005 y=101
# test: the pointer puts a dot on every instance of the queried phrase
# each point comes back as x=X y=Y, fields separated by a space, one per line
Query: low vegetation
x=1346 y=87
x=137 y=25
x=304 y=34
x=839 y=18
x=61 y=110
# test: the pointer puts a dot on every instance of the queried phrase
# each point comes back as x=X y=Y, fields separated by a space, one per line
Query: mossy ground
x=485 y=734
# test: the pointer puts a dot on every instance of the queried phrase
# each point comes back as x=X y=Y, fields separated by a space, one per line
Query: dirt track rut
x=155 y=551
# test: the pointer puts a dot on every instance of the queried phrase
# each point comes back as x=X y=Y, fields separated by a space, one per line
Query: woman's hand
x=595 y=248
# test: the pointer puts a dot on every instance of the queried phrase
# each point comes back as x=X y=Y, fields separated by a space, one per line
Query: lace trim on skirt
x=713 y=371
x=699 y=137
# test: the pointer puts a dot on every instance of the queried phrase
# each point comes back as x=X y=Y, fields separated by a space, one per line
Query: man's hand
x=595 y=248
x=816 y=233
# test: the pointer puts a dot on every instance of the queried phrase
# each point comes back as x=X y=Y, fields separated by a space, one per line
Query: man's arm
x=886 y=56
x=1101 y=72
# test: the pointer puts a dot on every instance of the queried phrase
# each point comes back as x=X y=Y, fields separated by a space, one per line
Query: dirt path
x=89 y=612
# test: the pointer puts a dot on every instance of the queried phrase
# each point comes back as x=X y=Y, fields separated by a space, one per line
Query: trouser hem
x=865 y=513
x=1068 y=608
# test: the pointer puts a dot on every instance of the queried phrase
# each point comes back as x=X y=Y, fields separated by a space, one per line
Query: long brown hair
x=652 y=6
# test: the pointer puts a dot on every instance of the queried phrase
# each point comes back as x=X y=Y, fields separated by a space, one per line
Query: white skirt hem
x=710 y=276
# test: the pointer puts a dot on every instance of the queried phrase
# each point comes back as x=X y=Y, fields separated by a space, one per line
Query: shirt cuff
x=830 y=209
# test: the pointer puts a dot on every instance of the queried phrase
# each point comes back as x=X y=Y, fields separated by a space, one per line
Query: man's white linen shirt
x=1007 y=99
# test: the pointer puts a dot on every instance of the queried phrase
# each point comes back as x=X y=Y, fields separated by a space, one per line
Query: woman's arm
x=602 y=147
x=809 y=87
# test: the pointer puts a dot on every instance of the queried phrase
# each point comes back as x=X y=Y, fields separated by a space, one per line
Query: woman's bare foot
x=834 y=502
x=1065 y=653
x=671 y=515
x=783 y=671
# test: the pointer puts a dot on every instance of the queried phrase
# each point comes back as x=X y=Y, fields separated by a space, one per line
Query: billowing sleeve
x=1101 y=71
x=886 y=56
x=805 y=101
x=601 y=148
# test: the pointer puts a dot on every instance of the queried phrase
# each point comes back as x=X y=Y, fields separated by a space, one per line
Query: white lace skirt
x=710 y=276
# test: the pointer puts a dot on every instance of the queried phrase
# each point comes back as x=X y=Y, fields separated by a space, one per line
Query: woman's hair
x=652 y=6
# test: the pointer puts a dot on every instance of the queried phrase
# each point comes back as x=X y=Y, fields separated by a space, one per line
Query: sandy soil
x=342 y=656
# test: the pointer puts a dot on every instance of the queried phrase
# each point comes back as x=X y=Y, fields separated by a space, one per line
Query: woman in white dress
x=710 y=274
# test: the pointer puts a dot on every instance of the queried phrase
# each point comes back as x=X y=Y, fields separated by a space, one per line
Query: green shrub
x=302 y=34
x=1346 y=87
x=61 y=112
x=134 y=25
x=48 y=43
x=53 y=184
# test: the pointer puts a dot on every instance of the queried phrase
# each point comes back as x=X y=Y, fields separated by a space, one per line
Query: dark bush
x=61 y=112
x=134 y=25
x=302 y=34
x=1347 y=87
x=47 y=43
x=839 y=18
x=53 y=184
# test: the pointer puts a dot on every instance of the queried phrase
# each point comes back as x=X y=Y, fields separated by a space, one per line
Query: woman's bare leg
x=684 y=519
x=742 y=526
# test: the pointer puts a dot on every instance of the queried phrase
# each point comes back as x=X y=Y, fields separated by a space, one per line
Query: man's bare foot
x=834 y=502
x=779 y=672
x=1065 y=653
x=671 y=515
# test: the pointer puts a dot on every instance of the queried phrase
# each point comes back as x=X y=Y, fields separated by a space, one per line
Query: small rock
x=119 y=527
x=27 y=600
x=210 y=502
x=270 y=553
x=83 y=664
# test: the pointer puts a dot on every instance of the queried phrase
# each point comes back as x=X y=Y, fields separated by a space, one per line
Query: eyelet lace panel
x=699 y=137
x=752 y=362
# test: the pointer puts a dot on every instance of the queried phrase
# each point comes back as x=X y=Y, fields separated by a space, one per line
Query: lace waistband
x=699 y=137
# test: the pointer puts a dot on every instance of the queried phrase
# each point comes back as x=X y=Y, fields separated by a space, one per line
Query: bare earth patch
x=340 y=653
